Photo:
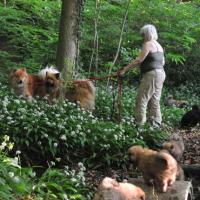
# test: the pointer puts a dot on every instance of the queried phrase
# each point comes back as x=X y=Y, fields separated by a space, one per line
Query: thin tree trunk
x=96 y=38
x=120 y=41
x=68 y=36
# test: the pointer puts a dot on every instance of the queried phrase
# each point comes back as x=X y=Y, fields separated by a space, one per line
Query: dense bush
x=64 y=131
x=17 y=182
x=28 y=34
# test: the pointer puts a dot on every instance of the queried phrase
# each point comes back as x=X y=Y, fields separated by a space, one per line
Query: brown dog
x=176 y=149
x=160 y=167
x=27 y=85
x=111 y=189
x=80 y=91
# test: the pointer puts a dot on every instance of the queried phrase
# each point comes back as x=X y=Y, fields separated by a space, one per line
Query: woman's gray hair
x=149 y=32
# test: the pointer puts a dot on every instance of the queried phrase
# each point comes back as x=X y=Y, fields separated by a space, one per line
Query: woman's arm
x=142 y=55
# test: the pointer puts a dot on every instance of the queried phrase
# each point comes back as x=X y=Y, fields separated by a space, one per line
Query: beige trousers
x=148 y=97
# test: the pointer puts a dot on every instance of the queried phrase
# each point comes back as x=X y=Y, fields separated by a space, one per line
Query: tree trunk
x=68 y=36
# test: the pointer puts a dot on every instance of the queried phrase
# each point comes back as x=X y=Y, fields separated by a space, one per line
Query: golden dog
x=160 y=167
x=111 y=189
x=27 y=85
x=80 y=91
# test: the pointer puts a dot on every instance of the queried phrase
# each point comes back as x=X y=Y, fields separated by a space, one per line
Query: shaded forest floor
x=191 y=157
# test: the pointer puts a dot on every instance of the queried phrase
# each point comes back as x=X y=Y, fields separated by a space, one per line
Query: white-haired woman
x=151 y=61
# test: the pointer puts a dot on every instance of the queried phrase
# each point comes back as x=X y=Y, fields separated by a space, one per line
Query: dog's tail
x=43 y=72
x=86 y=84
x=91 y=87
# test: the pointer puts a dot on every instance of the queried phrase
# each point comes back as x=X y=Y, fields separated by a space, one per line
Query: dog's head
x=134 y=153
x=18 y=77
x=52 y=80
x=170 y=146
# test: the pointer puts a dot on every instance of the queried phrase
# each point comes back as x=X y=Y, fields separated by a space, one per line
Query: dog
x=160 y=167
x=111 y=189
x=27 y=85
x=176 y=149
x=191 y=118
x=79 y=91
x=171 y=102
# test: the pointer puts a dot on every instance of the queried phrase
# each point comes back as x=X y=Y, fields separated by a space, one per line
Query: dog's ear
x=23 y=69
x=13 y=71
x=57 y=75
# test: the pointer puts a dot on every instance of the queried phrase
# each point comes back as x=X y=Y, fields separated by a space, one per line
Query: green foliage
x=178 y=29
x=28 y=34
x=17 y=182
x=72 y=133
x=62 y=184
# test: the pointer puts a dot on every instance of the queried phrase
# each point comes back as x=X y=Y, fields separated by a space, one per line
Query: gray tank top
x=154 y=60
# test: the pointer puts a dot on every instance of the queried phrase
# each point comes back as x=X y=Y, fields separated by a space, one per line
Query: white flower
x=65 y=197
x=73 y=132
x=73 y=179
x=78 y=127
x=16 y=179
x=10 y=145
x=11 y=174
x=93 y=121
x=55 y=144
x=34 y=187
x=43 y=185
x=3 y=145
x=63 y=137
x=53 y=163
x=18 y=152
x=6 y=138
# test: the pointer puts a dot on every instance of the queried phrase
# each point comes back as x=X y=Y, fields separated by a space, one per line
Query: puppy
x=160 y=167
x=111 y=189
x=27 y=85
x=175 y=148
x=176 y=103
x=191 y=118
x=79 y=91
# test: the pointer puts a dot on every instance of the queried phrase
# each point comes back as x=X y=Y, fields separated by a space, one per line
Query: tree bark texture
x=68 y=36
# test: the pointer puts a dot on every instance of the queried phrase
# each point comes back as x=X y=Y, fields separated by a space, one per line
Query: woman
x=151 y=61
